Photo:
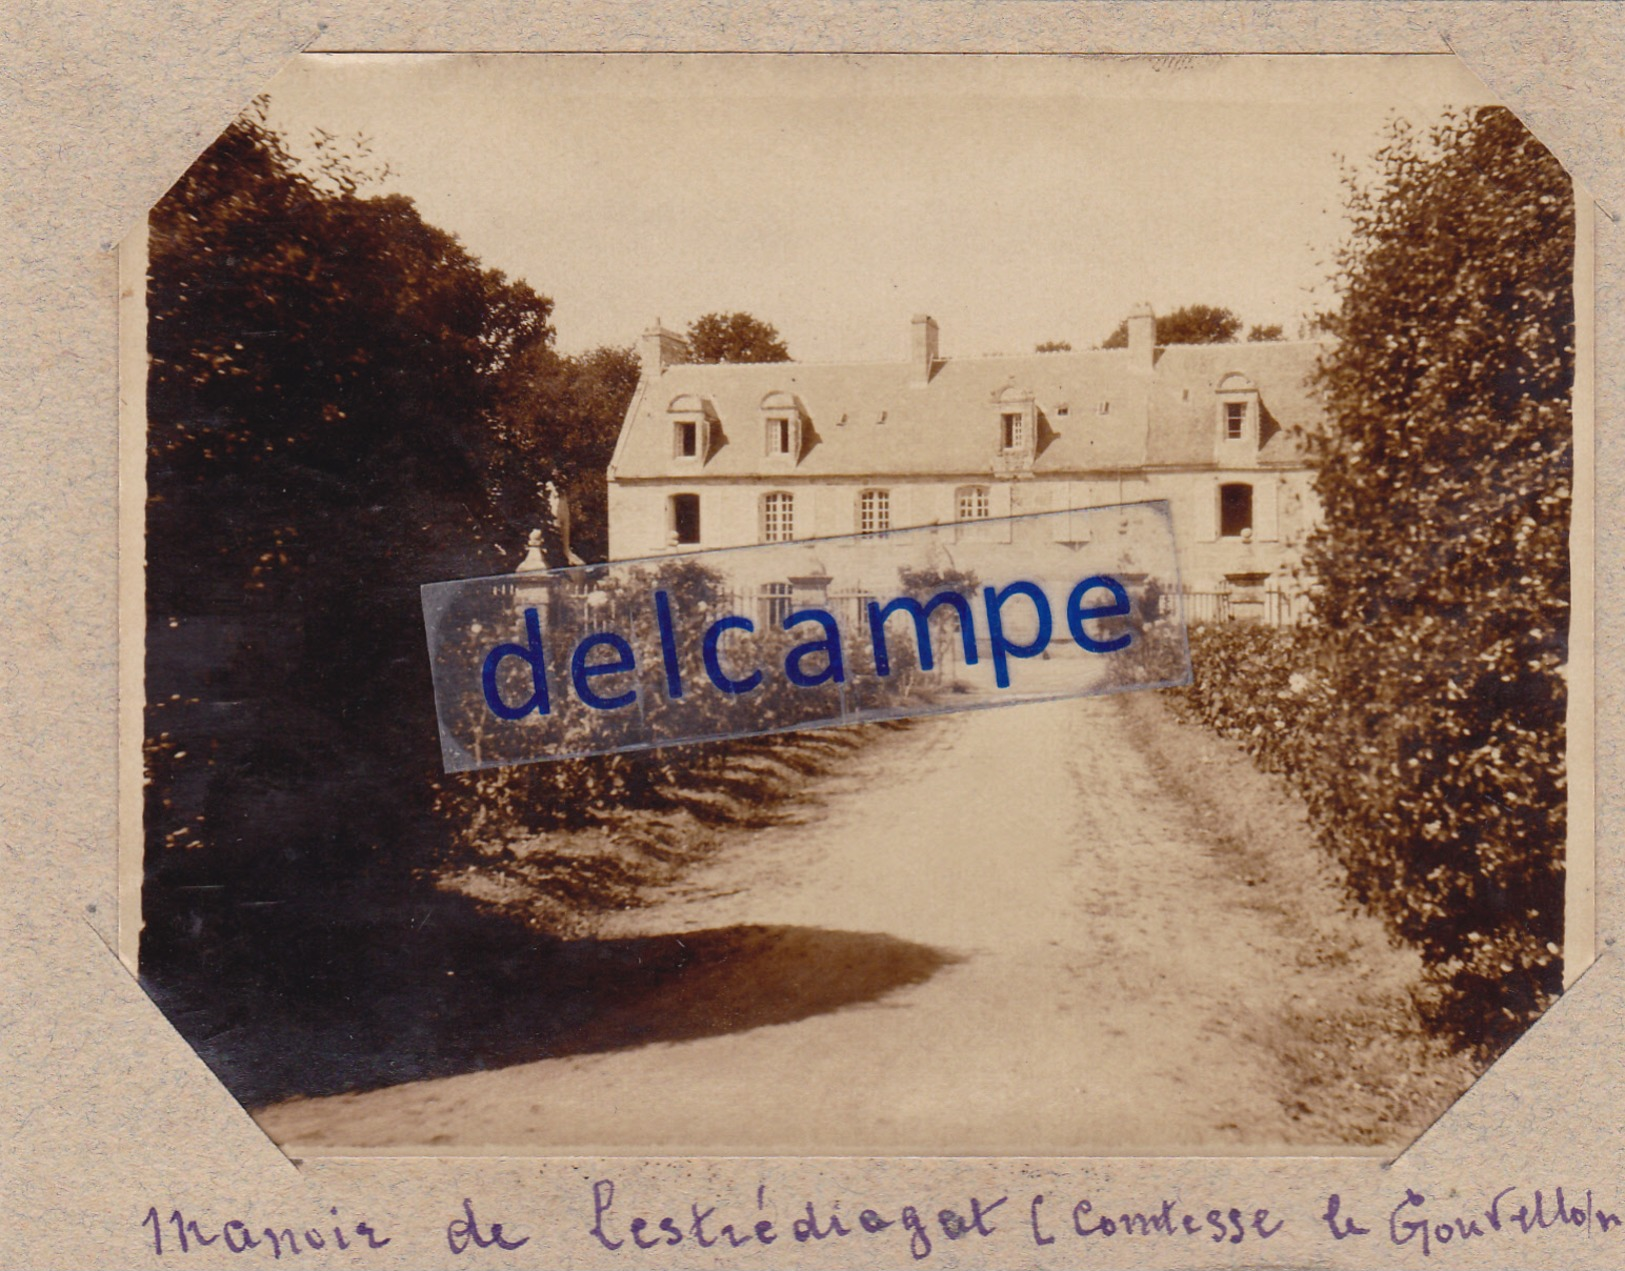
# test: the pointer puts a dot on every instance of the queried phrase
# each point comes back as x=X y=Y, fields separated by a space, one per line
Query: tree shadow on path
x=489 y=1005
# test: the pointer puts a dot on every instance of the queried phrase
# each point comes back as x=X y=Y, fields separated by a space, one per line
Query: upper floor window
x=1235 y=509
x=1238 y=408
x=778 y=517
x=687 y=440
x=1018 y=425
x=685 y=518
x=781 y=426
x=874 y=511
x=689 y=415
x=971 y=503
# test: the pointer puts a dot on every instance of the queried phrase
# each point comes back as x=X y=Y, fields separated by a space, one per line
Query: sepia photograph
x=833 y=605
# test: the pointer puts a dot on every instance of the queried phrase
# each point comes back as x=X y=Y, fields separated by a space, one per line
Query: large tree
x=560 y=418
x=1443 y=559
x=734 y=337
x=324 y=373
x=1189 y=324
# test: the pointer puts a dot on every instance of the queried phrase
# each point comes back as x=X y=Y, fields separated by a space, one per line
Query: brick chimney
x=660 y=348
x=922 y=354
x=1142 y=337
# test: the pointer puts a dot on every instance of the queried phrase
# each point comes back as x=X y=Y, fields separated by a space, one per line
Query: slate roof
x=948 y=426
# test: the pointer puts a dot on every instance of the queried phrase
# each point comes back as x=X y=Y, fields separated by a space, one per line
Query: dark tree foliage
x=1053 y=346
x=1443 y=559
x=1189 y=324
x=734 y=337
x=559 y=419
x=324 y=373
x=1263 y=333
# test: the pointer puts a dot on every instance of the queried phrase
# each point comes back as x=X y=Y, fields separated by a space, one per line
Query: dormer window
x=687 y=440
x=690 y=428
x=1238 y=412
x=1017 y=436
x=781 y=427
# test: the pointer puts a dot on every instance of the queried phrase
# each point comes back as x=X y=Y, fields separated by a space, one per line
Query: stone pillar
x=659 y=348
x=923 y=348
x=1142 y=338
x=1247 y=596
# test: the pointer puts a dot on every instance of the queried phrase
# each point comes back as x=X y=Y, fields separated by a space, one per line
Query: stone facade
x=733 y=454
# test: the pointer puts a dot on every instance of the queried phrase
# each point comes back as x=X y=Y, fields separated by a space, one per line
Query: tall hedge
x=1443 y=559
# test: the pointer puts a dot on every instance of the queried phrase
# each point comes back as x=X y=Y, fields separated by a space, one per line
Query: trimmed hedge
x=1422 y=712
x=1445 y=814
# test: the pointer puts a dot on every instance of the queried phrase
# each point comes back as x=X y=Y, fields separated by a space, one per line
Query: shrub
x=1258 y=685
x=1442 y=560
x=1432 y=835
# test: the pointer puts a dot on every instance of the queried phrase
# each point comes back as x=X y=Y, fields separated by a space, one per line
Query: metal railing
x=1272 y=606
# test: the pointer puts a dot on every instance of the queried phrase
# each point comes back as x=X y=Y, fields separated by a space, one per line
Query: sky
x=1016 y=199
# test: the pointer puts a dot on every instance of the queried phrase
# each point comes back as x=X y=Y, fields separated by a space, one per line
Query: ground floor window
x=778 y=517
x=874 y=511
x=685 y=518
x=972 y=503
x=776 y=598
x=1235 y=509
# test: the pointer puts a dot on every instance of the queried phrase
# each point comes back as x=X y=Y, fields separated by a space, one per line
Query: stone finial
x=535 y=559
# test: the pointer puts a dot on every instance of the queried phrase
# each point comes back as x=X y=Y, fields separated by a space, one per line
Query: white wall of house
x=730 y=512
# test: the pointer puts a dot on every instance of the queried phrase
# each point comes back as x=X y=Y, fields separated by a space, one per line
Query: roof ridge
x=1057 y=354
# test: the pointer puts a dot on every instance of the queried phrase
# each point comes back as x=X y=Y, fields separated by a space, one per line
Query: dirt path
x=1082 y=965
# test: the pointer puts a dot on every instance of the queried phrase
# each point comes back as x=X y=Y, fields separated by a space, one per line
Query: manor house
x=722 y=455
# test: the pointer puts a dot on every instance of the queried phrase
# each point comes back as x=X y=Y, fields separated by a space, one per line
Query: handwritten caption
x=1415 y=1222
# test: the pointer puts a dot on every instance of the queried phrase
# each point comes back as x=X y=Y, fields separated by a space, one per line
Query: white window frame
x=781 y=436
x=778 y=516
x=692 y=428
x=973 y=503
x=1012 y=430
x=776 y=599
x=1234 y=390
x=874 y=511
